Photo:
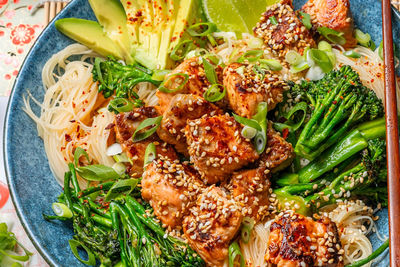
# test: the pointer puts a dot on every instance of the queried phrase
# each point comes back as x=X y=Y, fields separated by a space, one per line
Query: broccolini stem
x=347 y=147
x=67 y=190
x=116 y=226
x=96 y=218
x=91 y=190
x=374 y=254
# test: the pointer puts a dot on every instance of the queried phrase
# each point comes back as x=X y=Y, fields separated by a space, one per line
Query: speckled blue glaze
x=32 y=185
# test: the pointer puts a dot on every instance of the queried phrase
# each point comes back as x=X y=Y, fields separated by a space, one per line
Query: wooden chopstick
x=52 y=11
x=58 y=7
x=392 y=136
x=46 y=12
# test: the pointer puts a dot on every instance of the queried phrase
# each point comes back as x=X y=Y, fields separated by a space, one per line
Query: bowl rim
x=16 y=202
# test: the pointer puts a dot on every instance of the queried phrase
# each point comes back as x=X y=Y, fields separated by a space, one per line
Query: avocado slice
x=111 y=15
x=89 y=33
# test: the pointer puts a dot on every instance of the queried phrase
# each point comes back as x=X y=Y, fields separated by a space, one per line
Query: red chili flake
x=92 y=214
x=372 y=80
x=285 y=133
x=335 y=102
x=68 y=138
x=72 y=121
x=341 y=97
x=101 y=186
x=83 y=109
x=73 y=105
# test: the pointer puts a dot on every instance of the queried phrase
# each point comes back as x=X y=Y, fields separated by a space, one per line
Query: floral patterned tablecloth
x=19 y=28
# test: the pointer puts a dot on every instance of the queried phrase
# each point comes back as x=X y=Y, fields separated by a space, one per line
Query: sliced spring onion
x=79 y=152
x=260 y=140
x=248 y=132
x=121 y=105
x=125 y=186
x=211 y=39
x=150 y=154
x=159 y=75
x=202 y=29
x=178 y=80
x=114 y=149
x=214 y=94
x=298 y=68
x=247 y=227
x=75 y=244
x=255 y=43
x=119 y=168
x=315 y=73
x=293 y=58
x=352 y=54
x=273 y=20
x=290 y=124
x=306 y=19
x=61 y=210
x=324 y=46
x=180 y=50
x=248 y=122
x=97 y=172
x=234 y=252
x=321 y=59
x=332 y=35
x=121 y=158
x=251 y=56
x=138 y=135
x=272 y=64
x=97 y=66
x=209 y=71
x=332 y=57
x=364 y=39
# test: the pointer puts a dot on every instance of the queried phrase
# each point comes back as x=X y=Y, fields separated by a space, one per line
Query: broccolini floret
x=338 y=101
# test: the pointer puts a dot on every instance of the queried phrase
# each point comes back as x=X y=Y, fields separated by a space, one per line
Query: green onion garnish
x=380 y=50
x=293 y=58
x=182 y=80
x=322 y=60
x=74 y=244
x=202 y=29
x=290 y=124
x=273 y=20
x=150 y=153
x=248 y=132
x=248 y=122
x=154 y=122
x=61 y=210
x=214 y=94
x=119 y=168
x=364 y=39
x=210 y=71
x=306 y=19
x=180 y=50
x=300 y=67
x=272 y=64
x=260 y=140
x=234 y=252
x=251 y=56
x=247 y=227
x=352 y=54
x=159 y=75
x=332 y=35
x=324 y=46
x=79 y=152
x=121 y=105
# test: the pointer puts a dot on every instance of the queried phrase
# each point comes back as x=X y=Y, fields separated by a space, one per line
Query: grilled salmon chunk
x=217 y=148
x=246 y=88
x=251 y=190
x=296 y=240
x=197 y=83
x=213 y=222
x=181 y=108
x=125 y=125
x=278 y=153
x=171 y=188
x=288 y=33
x=334 y=14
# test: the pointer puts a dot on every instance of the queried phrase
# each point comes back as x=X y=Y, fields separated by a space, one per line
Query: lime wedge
x=235 y=15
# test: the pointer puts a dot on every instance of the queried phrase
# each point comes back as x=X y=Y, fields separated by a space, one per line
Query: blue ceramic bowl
x=32 y=185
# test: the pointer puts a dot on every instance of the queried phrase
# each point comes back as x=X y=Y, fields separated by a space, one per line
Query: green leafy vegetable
x=97 y=172
x=121 y=187
x=80 y=152
x=8 y=243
